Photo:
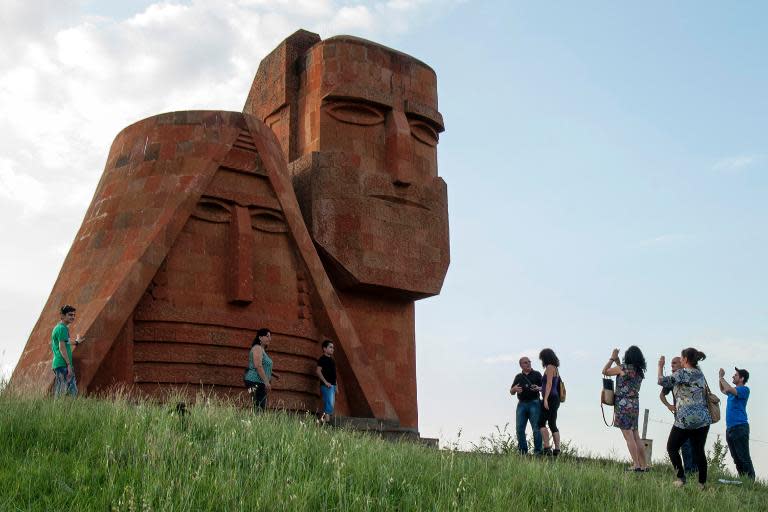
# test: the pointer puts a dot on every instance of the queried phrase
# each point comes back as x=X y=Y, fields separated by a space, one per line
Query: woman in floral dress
x=629 y=377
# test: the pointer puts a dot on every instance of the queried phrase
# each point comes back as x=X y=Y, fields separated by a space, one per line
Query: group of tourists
x=538 y=403
x=539 y=398
x=258 y=376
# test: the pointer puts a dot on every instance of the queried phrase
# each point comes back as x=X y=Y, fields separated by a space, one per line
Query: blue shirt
x=736 y=410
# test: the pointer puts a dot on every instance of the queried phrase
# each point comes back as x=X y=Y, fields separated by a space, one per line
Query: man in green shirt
x=64 y=372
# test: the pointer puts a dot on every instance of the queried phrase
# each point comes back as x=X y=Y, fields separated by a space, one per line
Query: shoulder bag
x=713 y=403
x=607 y=397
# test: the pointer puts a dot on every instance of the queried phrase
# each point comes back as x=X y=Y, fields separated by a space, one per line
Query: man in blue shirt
x=736 y=423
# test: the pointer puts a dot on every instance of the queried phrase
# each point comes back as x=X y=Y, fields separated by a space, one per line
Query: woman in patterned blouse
x=692 y=418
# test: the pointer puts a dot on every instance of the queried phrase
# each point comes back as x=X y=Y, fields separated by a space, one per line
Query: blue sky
x=607 y=169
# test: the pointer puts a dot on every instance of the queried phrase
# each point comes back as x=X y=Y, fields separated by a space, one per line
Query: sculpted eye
x=424 y=132
x=269 y=221
x=212 y=211
x=355 y=113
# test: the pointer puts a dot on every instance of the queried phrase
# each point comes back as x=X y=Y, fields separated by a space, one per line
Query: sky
x=607 y=169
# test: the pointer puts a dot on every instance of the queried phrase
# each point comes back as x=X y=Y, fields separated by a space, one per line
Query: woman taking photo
x=629 y=377
x=550 y=396
x=692 y=419
x=259 y=373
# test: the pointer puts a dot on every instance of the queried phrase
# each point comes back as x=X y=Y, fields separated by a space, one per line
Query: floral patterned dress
x=690 y=397
x=626 y=409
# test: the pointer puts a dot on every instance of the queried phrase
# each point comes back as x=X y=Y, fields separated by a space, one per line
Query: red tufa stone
x=360 y=128
x=199 y=234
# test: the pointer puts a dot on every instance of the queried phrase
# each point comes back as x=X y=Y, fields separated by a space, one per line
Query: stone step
x=387 y=429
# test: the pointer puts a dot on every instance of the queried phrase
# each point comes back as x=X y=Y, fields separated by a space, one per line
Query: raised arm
x=724 y=386
x=610 y=371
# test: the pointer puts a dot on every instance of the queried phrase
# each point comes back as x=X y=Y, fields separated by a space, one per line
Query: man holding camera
x=736 y=423
x=526 y=386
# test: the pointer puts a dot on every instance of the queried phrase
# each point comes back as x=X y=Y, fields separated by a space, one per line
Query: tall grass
x=90 y=454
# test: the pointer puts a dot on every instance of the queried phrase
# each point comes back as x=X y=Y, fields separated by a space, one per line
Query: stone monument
x=317 y=212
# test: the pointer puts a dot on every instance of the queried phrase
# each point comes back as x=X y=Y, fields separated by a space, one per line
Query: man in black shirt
x=326 y=371
x=526 y=386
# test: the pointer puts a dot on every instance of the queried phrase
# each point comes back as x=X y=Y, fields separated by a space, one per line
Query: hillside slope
x=90 y=454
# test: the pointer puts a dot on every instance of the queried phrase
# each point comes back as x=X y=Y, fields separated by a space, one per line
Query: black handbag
x=607 y=397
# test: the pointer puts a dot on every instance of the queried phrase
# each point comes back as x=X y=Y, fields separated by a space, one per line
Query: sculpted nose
x=241 y=256
x=399 y=148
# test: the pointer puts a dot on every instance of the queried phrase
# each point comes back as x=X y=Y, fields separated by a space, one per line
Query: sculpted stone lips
x=398 y=200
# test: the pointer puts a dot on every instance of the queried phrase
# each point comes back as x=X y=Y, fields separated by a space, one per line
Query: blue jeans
x=687 y=452
x=737 y=438
x=528 y=412
x=62 y=385
x=329 y=398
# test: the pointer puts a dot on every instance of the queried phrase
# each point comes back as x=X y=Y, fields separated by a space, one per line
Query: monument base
x=388 y=430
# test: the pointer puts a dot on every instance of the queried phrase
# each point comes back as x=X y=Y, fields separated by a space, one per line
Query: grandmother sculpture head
x=359 y=124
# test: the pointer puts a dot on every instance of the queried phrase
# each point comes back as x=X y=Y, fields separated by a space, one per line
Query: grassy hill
x=90 y=454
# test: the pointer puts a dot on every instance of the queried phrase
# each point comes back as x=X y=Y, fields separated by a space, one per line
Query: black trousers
x=698 y=436
x=549 y=416
x=258 y=394
x=737 y=438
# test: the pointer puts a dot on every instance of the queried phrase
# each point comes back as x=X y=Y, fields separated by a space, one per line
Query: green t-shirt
x=60 y=333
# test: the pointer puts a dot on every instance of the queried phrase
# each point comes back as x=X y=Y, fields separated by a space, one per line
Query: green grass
x=90 y=454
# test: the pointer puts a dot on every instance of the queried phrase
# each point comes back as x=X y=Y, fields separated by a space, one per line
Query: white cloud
x=21 y=188
x=66 y=91
x=352 y=19
x=736 y=163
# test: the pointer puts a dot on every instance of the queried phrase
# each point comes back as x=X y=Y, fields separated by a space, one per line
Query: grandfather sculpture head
x=359 y=124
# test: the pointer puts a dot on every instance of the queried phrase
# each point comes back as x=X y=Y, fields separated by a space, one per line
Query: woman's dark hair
x=633 y=356
x=693 y=356
x=260 y=334
x=548 y=357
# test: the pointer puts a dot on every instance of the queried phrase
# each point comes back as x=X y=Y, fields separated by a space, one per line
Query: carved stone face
x=367 y=131
x=232 y=269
